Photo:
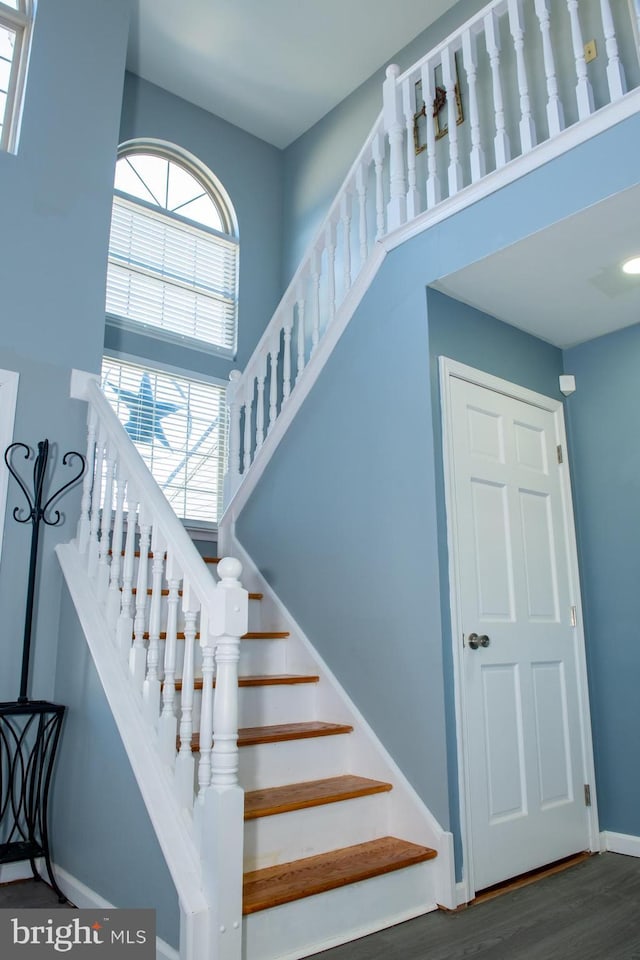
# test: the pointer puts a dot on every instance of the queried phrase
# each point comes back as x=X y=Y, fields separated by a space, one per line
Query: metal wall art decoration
x=439 y=109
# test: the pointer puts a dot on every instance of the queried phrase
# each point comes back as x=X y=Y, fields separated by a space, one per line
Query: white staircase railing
x=134 y=550
x=511 y=78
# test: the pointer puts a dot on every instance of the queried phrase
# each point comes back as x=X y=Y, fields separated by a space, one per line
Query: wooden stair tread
x=311 y=793
x=267 y=680
x=273 y=886
x=279 y=732
x=255 y=635
x=165 y=593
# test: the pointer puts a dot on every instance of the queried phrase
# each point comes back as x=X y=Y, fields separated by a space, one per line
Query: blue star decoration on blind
x=146 y=413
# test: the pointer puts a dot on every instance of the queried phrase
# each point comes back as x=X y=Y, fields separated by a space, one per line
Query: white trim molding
x=620 y=843
x=8 y=398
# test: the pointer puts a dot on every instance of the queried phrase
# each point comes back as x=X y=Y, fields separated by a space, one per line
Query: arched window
x=173 y=251
x=172 y=275
x=15 y=34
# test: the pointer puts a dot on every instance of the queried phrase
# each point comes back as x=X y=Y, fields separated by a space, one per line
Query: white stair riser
x=303 y=833
x=292 y=761
x=264 y=706
x=317 y=923
x=262 y=656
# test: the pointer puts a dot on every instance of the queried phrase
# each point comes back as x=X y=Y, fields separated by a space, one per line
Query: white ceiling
x=563 y=284
x=272 y=67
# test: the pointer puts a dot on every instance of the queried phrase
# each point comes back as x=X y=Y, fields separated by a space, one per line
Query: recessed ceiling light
x=631 y=266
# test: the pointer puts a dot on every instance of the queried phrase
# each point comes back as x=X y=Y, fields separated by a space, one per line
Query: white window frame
x=8 y=397
x=20 y=20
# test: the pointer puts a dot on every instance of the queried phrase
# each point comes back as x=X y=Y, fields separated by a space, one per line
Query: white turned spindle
x=315 y=295
x=392 y=114
x=345 y=219
x=361 y=190
x=454 y=172
x=233 y=404
x=168 y=727
x=584 y=90
x=232 y=622
x=125 y=620
x=138 y=652
x=248 y=404
x=377 y=148
x=206 y=706
x=527 y=126
x=409 y=108
x=114 y=595
x=185 y=764
x=273 y=383
x=286 y=357
x=501 y=143
x=151 y=688
x=330 y=247
x=555 y=112
x=106 y=519
x=470 y=60
x=434 y=194
x=615 y=70
x=262 y=376
x=96 y=507
x=301 y=333
x=87 y=483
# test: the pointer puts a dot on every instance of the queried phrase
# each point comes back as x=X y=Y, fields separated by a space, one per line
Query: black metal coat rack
x=30 y=729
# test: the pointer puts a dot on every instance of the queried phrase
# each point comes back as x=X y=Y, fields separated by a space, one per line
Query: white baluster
x=454 y=173
x=345 y=219
x=248 y=404
x=377 y=149
x=392 y=113
x=301 y=332
x=615 y=70
x=527 y=126
x=409 y=108
x=138 y=652
x=106 y=518
x=262 y=376
x=151 y=688
x=286 y=358
x=185 y=765
x=555 y=113
x=584 y=90
x=96 y=507
x=168 y=726
x=315 y=295
x=330 y=247
x=87 y=483
x=114 y=595
x=501 y=140
x=125 y=620
x=206 y=706
x=361 y=189
x=273 y=383
x=428 y=94
x=234 y=404
x=470 y=60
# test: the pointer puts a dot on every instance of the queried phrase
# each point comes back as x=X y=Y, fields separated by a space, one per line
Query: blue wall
x=251 y=172
x=605 y=457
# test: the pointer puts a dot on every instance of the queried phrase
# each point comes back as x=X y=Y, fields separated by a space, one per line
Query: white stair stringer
x=399 y=812
x=325 y=920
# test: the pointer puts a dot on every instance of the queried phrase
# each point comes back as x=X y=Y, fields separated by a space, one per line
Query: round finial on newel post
x=393 y=71
x=229 y=571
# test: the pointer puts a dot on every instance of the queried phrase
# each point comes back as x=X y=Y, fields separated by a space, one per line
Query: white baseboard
x=621 y=843
x=78 y=893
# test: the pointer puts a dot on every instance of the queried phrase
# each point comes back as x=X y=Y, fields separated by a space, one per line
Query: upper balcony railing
x=512 y=78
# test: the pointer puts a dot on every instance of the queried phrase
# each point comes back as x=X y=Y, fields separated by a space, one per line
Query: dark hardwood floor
x=28 y=893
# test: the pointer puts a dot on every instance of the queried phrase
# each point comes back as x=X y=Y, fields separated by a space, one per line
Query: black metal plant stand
x=30 y=729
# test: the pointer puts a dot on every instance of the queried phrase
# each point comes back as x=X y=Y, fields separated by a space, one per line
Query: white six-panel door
x=519 y=655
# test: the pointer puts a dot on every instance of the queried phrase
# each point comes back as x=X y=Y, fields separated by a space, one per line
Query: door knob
x=476 y=641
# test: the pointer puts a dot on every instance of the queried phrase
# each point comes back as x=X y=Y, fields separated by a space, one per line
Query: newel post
x=394 y=126
x=223 y=815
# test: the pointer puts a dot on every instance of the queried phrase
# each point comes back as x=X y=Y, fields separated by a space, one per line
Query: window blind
x=179 y=426
x=171 y=276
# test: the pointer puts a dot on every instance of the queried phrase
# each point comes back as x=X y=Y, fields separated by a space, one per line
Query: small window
x=15 y=32
x=173 y=252
x=179 y=426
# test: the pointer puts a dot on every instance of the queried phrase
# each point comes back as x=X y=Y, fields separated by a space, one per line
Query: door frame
x=452 y=369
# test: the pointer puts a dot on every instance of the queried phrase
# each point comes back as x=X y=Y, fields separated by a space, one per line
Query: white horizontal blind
x=179 y=426
x=172 y=276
